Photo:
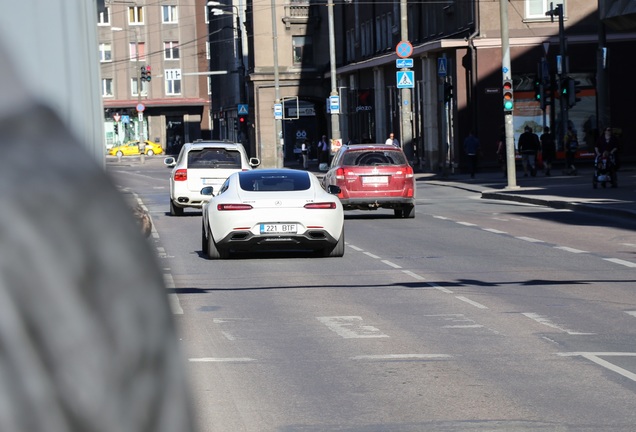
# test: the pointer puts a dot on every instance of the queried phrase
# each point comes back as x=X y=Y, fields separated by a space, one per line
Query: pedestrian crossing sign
x=405 y=79
x=242 y=109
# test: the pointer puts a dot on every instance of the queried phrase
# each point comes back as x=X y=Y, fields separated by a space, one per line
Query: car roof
x=200 y=145
x=371 y=146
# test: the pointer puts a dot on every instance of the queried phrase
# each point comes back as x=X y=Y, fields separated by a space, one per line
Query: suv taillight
x=181 y=175
x=409 y=172
x=340 y=174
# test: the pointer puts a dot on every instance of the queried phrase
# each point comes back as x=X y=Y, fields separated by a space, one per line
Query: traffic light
x=148 y=73
x=144 y=74
x=448 y=91
x=538 y=89
x=235 y=124
x=508 y=96
x=242 y=121
x=573 y=89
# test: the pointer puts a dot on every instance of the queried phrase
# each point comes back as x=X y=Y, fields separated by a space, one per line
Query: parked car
x=132 y=148
x=200 y=164
x=280 y=209
x=372 y=176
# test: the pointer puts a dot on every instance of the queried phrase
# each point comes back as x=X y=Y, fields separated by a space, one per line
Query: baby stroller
x=604 y=170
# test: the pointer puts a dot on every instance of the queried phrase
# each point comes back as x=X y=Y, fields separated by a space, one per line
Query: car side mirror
x=207 y=191
x=169 y=162
x=254 y=162
x=333 y=189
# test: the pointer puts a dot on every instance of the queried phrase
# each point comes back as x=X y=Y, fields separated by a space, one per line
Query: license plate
x=375 y=179
x=207 y=181
x=278 y=228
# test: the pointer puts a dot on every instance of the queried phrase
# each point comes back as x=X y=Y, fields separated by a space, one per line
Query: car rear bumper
x=314 y=239
x=369 y=203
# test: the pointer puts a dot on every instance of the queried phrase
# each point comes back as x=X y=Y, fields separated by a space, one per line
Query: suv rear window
x=214 y=158
x=374 y=158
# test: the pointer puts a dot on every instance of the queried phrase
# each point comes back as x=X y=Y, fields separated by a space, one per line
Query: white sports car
x=282 y=209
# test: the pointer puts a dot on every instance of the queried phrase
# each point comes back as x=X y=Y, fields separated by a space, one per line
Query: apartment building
x=157 y=41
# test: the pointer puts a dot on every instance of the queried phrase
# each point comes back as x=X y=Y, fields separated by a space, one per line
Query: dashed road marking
x=413 y=275
x=351 y=327
x=173 y=299
x=621 y=262
x=530 y=239
x=389 y=263
x=543 y=320
x=221 y=360
x=398 y=357
x=471 y=302
x=596 y=358
x=371 y=255
x=569 y=249
x=494 y=231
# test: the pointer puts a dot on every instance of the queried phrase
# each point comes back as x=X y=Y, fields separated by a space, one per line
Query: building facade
x=150 y=55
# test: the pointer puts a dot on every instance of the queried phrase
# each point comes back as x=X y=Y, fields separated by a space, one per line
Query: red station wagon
x=372 y=176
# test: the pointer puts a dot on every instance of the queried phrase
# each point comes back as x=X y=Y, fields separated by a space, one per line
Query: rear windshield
x=214 y=158
x=374 y=158
x=264 y=181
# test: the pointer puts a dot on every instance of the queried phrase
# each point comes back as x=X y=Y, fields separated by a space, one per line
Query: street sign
x=243 y=109
x=404 y=49
x=442 y=69
x=140 y=107
x=405 y=79
x=278 y=111
x=116 y=117
x=404 y=63
x=334 y=104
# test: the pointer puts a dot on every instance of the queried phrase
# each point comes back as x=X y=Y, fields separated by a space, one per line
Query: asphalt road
x=477 y=315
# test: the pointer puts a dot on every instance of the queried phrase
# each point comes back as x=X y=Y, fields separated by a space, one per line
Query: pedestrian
x=548 y=150
x=391 y=140
x=471 y=147
x=571 y=144
x=529 y=145
x=608 y=143
x=323 y=150
x=304 y=151
x=501 y=152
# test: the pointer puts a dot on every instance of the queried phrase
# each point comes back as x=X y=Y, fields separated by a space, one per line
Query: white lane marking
x=371 y=255
x=569 y=249
x=442 y=289
x=462 y=326
x=389 y=263
x=355 y=248
x=543 y=320
x=221 y=360
x=530 y=239
x=350 y=327
x=595 y=357
x=632 y=313
x=628 y=244
x=471 y=302
x=401 y=357
x=466 y=223
x=173 y=299
x=440 y=217
x=413 y=275
x=621 y=262
x=496 y=231
x=228 y=336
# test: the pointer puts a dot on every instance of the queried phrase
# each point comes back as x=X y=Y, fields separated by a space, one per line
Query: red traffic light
x=242 y=119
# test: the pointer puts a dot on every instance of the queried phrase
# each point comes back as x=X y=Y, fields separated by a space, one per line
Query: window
x=103 y=18
x=172 y=78
x=105 y=52
x=171 y=50
x=537 y=8
x=135 y=15
x=137 y=49
x=302 y=50
x=107 y=87
x=169 y=15
x=134 y=86
x=207 y=50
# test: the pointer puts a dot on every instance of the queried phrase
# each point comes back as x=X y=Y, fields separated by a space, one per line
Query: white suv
x=201 y=164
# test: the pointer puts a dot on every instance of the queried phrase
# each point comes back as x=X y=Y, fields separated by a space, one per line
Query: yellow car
x=132 y=148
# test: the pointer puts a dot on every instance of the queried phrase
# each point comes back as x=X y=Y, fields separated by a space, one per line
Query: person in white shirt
x=392 y=141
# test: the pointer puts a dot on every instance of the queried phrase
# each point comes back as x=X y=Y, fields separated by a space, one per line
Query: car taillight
x=409 y=172
x=181 y=175
x=322 y=205
x=230 y=207
x=340 y=174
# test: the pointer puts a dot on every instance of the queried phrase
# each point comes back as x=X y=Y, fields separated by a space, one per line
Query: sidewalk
x=557 y=191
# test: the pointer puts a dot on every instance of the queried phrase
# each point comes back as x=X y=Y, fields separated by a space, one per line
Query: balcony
x=298 y=13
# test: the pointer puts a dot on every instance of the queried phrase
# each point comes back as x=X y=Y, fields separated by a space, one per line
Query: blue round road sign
x=404 y=49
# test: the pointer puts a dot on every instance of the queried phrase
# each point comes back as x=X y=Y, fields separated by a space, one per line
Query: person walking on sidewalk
x=529 y=147
x=471 y=147
x=391 y=140
x=501 y=152
x=571 y=144
x=548 y=149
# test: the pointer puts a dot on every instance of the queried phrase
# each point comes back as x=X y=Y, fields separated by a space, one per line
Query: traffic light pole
x=507 y=77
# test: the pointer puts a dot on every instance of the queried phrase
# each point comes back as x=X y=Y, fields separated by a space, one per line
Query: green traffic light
x=508 y=105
